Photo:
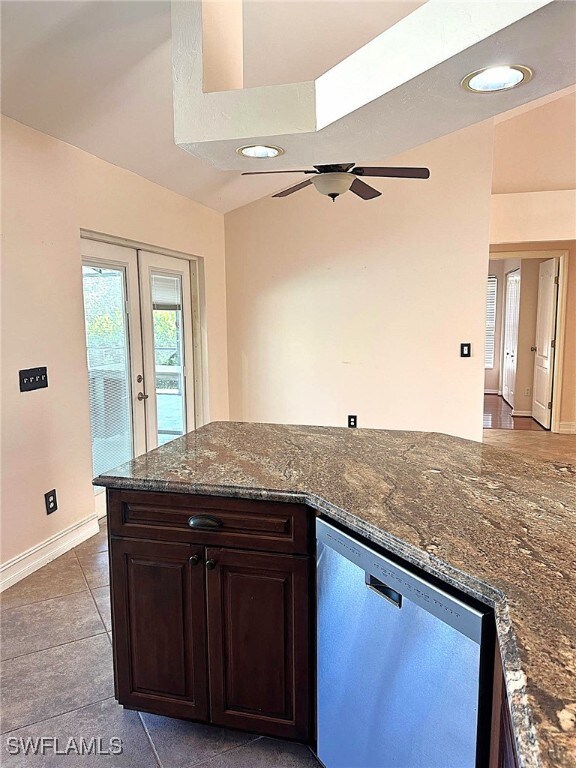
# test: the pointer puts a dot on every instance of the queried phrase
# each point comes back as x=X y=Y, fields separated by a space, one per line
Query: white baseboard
x=567 y=428
x=491 y=392
x=521 y=413
x=34 y=558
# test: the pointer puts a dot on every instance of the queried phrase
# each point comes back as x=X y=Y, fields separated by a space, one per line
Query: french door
x=138 y=321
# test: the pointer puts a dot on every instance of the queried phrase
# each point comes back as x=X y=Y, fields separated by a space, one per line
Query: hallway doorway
x=525 y=339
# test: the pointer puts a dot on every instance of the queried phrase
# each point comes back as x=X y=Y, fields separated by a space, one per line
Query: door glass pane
x=168 y=356
x=108 y=367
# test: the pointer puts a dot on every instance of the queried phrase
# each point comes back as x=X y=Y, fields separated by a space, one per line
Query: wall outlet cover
x=352 y=421
x=51 y=501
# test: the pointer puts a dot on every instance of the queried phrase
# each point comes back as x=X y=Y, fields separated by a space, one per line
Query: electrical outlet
x=352 y=422
x=51 y=501
x=527 y=392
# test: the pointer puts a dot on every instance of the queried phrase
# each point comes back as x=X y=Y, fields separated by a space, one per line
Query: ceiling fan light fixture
x=493 y=79
x=333 y=184
x=260 y=151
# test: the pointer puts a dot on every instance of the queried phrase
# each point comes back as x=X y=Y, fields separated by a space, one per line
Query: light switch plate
x=33 y=378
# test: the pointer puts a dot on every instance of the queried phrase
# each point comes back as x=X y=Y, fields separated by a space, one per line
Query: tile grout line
x=43 y=600
x=91 y=594
x=51 y=647
x=237 y=748
x=224 y=752
x=149 y=737
x=60 y=714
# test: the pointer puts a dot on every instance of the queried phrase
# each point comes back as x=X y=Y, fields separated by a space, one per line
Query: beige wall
x=536 y=151
x=568 y=387
x=533 y=216
x=360 y=307
x=50 y=191
x=492 y=375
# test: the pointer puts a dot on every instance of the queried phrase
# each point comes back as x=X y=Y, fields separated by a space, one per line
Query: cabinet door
x=258 y=642
x=159 y=627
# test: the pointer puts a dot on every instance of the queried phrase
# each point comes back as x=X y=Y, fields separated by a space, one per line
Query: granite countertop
x=499 y=526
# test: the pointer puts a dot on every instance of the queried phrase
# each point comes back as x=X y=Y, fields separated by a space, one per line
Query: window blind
x=491 y=298
x=166 y=292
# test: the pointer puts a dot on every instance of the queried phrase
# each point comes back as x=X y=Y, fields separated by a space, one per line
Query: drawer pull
x=204 y=523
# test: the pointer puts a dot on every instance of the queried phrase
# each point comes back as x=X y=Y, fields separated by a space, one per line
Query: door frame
x=198 y=299
x=561 y=316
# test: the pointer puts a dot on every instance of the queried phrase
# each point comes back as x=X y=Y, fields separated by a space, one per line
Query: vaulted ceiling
x=98 y=75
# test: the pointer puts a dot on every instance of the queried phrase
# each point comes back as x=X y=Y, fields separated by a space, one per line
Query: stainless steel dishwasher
x=399 y=664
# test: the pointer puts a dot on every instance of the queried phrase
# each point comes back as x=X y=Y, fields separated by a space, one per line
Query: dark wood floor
x=498 y=415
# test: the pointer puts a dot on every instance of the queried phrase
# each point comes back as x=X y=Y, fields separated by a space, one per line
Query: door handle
x=142 y=396
x=204 y=522
x=210 y=564
x=533 y=349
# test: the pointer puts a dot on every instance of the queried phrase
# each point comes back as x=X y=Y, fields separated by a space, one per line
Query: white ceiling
x=98 y=75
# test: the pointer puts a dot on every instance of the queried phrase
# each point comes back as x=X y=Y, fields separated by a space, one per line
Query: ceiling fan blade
x=261 y=173
x=295 y=188
x=393 y=173
x=365 y=191
x=334 y=168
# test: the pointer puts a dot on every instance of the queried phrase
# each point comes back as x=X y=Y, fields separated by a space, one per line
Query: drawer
x=211 y=520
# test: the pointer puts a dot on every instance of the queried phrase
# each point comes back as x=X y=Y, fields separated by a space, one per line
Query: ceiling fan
x=334 y=180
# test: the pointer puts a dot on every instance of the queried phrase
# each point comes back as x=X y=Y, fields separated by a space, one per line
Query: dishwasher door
x=398 y=664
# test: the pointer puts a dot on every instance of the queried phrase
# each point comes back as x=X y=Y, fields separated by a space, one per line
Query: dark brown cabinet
x=258 y=641
x=212 y=633
x=160 y=627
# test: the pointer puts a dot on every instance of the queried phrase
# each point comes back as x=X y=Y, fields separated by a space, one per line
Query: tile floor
x=56 y=681
x=543 y=445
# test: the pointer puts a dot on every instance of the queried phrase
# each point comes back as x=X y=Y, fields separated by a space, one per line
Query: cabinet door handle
x=194 y=560
x=210 y=564
x=204 y=522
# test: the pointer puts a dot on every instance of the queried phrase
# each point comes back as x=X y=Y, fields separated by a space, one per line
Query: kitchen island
x=498 y=527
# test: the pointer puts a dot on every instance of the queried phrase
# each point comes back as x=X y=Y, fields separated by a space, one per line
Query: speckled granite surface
x=500 y=527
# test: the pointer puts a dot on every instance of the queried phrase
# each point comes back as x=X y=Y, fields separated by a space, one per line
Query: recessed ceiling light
x=260 y=151
x=493 y=79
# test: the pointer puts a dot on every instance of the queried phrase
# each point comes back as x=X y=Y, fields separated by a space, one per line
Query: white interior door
x=114 y=353
x=165 y=296
x=510 y=347
x=545 y=333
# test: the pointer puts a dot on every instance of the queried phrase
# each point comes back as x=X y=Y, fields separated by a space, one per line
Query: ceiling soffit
x=399 y=90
